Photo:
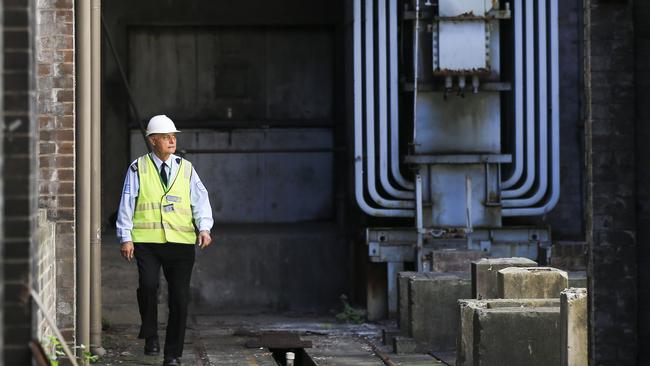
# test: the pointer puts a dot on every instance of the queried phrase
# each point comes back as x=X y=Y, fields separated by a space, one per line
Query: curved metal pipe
x=394 y=101
x=519 y=101
x=543 y=121
x=358 y=122
x=530 y=108
x=555 y=126
x=383 y=107
x=370 y=116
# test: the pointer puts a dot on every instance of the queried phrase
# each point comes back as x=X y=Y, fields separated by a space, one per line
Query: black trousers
x=177 y=261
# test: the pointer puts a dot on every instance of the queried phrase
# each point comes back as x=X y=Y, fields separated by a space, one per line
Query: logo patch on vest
x=171 y=198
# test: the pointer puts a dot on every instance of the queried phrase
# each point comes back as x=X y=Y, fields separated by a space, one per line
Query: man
x=163 y=200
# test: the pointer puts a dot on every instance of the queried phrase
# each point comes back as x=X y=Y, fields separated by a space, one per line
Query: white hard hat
x=161 y=124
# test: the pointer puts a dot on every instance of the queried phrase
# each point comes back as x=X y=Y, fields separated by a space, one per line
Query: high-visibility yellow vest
x=163 y=214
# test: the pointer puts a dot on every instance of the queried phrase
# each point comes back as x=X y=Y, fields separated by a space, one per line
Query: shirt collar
x=159 y=162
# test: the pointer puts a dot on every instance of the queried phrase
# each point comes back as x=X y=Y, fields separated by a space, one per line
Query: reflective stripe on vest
x=163 y=214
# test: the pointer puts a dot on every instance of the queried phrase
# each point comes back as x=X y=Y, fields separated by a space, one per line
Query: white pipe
x=358 y=122
x=370 y=117
x=543 y=121
x=416 y=47
x=555 y=125
x=83 y=180
x=419 y=222
x=383 y=107
x=95 y=216
x=530 y=108
x=519 y=96
x=394 y=101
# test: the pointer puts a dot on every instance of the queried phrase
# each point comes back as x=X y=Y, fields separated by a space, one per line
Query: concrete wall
x=19 y=174
x=125 y=17
x=242 y=76
x=54 y=70
x=611 y=180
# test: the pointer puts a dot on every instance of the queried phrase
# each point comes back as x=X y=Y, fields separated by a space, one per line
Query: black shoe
x=172 y=361
x=151 y=346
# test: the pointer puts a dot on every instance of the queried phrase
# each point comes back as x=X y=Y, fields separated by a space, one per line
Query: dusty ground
x=221 y=340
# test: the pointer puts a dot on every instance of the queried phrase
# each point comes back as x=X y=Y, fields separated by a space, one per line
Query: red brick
x=65 y=96
x=61 y=214
x=65 y=122
x=66 y=201
x=65 y=68
x=63 y=82
x=60 y=175
x=63 y=4
x=47 y=148
x=44 y=70
x=45 y=122
x=64 y=16
x=54 y=161
x=56 y=187
x=57 y=135
x=64 y=56
x=65 y=148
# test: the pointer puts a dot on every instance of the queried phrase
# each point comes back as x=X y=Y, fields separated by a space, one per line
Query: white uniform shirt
x=201 y=209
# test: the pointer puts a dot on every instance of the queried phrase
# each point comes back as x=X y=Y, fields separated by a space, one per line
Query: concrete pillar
x=484 y=274
x=376 y=292
x=467 y=309
x=573 y=312
x=404 y=300
x=393 y=268
x=517 y=336
x=531 y=282
x=454 y=260
x=578 y=279
x=434 y=314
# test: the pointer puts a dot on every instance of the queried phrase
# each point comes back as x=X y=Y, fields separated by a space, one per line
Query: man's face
x=164 y=143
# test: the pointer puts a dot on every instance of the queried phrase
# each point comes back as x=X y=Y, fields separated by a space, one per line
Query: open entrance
x=256 y=89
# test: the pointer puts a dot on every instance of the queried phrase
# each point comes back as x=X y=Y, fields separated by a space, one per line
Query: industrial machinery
x=456 y=114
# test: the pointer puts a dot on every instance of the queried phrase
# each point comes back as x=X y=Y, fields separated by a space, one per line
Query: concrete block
x=484 y=274
x=433 y=308
x=517 y=336
x=531 y=282
x=467 y=309
x=403 y=301
x=573 y=312
x=388 y=336
x=454 y=260
x=402 y=345
x=578 y=279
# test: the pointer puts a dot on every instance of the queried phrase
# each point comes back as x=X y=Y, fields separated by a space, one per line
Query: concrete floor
x=220 y=340
x=216 y=339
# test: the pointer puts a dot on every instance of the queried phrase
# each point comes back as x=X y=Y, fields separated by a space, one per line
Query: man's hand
x=127 y=250
x=204 y=239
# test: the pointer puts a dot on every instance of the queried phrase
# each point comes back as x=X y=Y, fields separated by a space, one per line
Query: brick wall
x=642 y=77
x=611 y=192
x=55 y=95
x=19 y=190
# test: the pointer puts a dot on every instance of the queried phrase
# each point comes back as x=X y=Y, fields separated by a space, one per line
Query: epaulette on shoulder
x=178 y=160
x=134 y=166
